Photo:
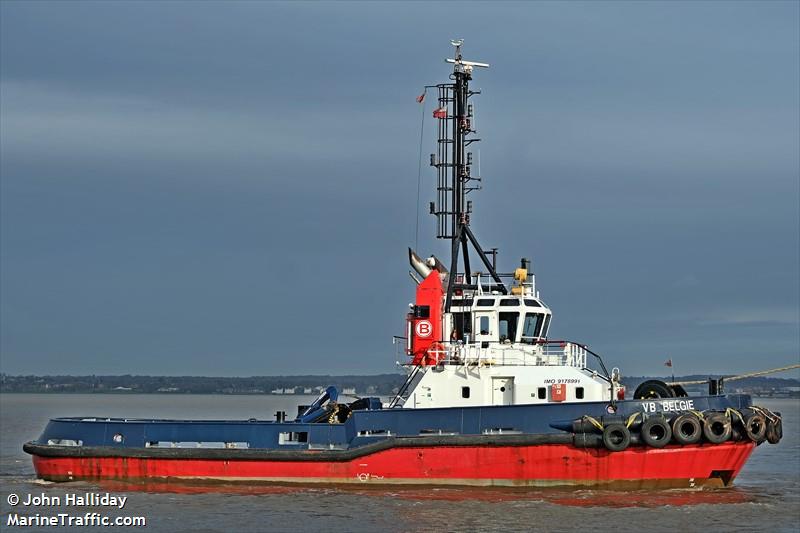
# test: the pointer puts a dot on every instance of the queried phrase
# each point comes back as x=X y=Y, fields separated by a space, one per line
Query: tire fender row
x=616 y=433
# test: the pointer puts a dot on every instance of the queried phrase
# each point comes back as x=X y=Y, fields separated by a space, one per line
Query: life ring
x=716 y=428
x=616 y=437
x=656 y=432
x=436 y=353
x=687 y=429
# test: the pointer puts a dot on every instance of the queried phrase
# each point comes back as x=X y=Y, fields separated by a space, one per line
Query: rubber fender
x=656 y=432
x=737 y=433
x=607 y=420
x=716 y=427
x=588 y=440
x=616 y=437
x=587 y=424
x=755 y=426
x=653 y=388
x=687 y=429
x=774 y=430
x=582 y=425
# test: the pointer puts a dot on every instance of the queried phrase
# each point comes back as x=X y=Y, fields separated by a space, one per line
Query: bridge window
x=509 y=302
x=483 y=325
x=462 y=323
x=532 y=328
x=532 y=303
x=546 y=327
x=508 y=326
x=485 y=302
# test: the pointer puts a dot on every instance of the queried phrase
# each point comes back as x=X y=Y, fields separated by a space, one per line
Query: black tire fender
x=716 y=427
x=774 y=430
x=656 y=432
x=616 y=437
x=687 y=429
x=755 y=425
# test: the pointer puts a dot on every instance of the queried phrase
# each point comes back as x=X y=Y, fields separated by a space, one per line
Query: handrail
x=457 y=353
x=404 y=388
x=515 y=353
x=597 y=356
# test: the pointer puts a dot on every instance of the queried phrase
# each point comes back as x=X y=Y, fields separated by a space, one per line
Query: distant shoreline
x=139 y=393
x=348 y=385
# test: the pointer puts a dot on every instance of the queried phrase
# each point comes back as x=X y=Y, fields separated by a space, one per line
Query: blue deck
x=361 y=428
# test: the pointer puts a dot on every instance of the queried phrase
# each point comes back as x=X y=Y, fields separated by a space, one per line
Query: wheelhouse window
x=462 y=324
x=483 y=325
x=532 y=327
x=532 y=303
x=546 y=327
x=508 y=327
x=509 y=302
x=485 y=302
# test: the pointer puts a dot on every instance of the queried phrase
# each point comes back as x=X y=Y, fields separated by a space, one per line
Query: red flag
x=420 y=98
x=440 y=112
x=668 y=362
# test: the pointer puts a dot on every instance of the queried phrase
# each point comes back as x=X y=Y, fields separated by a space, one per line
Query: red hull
x=540 y=465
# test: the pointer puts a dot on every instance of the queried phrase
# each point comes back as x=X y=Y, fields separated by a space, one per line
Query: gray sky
x=229 y=188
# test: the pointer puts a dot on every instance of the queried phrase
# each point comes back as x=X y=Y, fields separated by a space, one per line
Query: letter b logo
x=423 y=329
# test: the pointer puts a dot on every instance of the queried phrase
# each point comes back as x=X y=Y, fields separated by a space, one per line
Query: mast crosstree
x=454 y=174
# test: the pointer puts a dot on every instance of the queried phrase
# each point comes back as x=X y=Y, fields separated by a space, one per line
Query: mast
x=454 y=174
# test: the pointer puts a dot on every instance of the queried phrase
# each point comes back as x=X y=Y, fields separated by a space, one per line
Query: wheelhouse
x=501 y=319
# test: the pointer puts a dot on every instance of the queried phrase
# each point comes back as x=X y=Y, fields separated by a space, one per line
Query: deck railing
x=544 y=353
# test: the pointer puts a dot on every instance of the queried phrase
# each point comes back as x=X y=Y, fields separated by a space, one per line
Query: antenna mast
x=454 y=179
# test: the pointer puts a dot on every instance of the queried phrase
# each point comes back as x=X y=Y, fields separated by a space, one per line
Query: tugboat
x=489 y=400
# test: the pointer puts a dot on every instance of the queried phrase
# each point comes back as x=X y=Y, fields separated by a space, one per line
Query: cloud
x=61 y=121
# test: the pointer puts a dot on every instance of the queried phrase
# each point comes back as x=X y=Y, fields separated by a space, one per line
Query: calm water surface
x=765 y=496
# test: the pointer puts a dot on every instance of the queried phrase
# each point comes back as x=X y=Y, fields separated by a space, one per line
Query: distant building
x=349 y=390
